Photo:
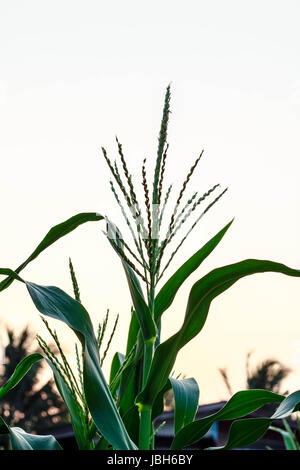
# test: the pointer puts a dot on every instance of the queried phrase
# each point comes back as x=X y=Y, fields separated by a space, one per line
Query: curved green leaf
x=143 y=313
x=55 y=303
x=54 y=234
x=289 y=439
x=247 y=431
x=158 y=405
x=239 y=405
x=73 y=408
x=19 y=372
x=202 y=294
x=21 y=440
x=244 y=432
x=133 y=332
x=116 y=364
x=167 y=293
x=186 y=397
x=288 y=405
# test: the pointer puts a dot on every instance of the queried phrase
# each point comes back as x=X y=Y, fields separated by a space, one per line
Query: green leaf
x=239 y=405
x=22 y=368
x=288 y=405
x=202 y=294
x=158 y=405
x=134 y=329
x=10 y=273
x=55 y=303
x=116 y=364
x=132 y=423
x=73 y=408
x=167 y=293
x=21 y=440
x=288 y=438
x=247 y=431
x=54 y=234
x=186 y=397
x=129 y=380
x=130 y=384
x=143 y=313
x=244 y=432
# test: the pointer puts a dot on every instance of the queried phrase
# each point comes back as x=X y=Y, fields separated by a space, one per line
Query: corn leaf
x=239 y=405
x=247 y=431
x=244 y=432
x=167 y=293
x=202 y=294
x=290 y=404
x=143 y=313
x=22 y=368
x=116 y=364
x=186 y=397
x=21 y=440
x=54 y=234
x=72 y=406
x=55 y=303
x=288 y=438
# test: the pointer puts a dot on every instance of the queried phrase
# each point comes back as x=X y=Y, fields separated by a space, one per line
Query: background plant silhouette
x=267 y=375
x=31 y=406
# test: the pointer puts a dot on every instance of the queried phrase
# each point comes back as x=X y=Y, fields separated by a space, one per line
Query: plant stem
x=145 y=425
x=145 y=413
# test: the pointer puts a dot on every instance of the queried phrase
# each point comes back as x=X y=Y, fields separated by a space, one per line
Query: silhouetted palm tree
x=268 y=375
x=30 y=405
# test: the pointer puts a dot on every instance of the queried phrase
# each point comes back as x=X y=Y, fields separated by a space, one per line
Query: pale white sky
x=75 y=73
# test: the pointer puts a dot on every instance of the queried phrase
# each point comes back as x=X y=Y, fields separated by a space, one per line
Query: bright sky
x=75 y=73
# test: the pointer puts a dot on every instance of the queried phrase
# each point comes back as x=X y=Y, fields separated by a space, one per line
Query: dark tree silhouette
x=30 y=405
x=267 y=375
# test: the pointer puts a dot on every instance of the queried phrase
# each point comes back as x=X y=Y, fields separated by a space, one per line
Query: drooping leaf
x=134 y=329
x=9 y=272
x=130 y=377
x=54 y=234
x=116 y=363
x=186 y=397
x=247 y=431
x=200 y=298
x=240 y=404
x=289 y=439
x=244 y=432
x=289 y=404
x=167 y=293
x=131 y=380
x=143 y=313
x=73 y=408
x=21 y=440
x=22 y=368
x=55 y=303
x=132 y=423
x=158 y=405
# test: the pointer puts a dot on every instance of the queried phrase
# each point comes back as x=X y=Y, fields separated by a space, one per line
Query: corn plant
x=19 y=439
x=119 y=413
x=288 y=435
